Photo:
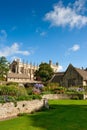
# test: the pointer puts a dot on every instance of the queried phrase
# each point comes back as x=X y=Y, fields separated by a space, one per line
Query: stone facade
x=9 y=110
x=21 y=72
x=54 y=66
x=71 y=77
x=75 y=77
x=24 y=72
x=56 y=96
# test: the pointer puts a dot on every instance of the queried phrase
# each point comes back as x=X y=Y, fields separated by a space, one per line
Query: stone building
x=71 y=77
x=54 y=66
x=24 y=72
x=21 y=72
x=58 y=78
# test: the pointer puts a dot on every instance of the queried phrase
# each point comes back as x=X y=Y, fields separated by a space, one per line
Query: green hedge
x=12 y=90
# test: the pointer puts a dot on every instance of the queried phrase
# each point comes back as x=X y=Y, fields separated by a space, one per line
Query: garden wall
x=8 y=110
x=64 y=96
x=56 y=96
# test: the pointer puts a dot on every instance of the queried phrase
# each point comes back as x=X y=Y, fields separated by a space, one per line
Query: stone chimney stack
x=56 y=63
x=50 y=62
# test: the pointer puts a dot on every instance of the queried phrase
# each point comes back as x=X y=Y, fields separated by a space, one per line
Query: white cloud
x=79 y=6
x=60 y=68
x=75 y=47
x=3 y=35
x=12 y=50
x=70 y=15
x=43 y=34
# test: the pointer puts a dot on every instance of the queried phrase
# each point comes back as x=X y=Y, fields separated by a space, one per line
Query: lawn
x=62 y=115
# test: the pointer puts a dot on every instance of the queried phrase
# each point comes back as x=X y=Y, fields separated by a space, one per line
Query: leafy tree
x=4 y=67
x=44 y=73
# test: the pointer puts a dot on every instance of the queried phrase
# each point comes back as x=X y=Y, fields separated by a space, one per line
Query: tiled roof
x=15 y=75
x=82 y=72
x=57 y=77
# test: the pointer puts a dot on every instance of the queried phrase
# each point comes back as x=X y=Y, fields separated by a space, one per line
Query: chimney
x=56 y=63
x=50 y=62
x=82 y=68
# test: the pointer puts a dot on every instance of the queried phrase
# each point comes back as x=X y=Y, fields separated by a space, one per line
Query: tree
x=44 y=73
x=4 y=67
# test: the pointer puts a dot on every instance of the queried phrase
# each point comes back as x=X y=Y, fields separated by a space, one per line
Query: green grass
x=62 y=115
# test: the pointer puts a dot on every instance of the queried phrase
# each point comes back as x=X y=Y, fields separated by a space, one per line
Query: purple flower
x=39 y=86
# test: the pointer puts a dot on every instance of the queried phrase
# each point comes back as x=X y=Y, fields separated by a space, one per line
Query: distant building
x=24 y=72
x=58 y=78
x=21 y=72
x=54 y=66
x=71 y=77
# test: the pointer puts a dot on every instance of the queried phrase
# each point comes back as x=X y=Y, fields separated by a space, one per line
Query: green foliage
x=52 y=86
x=7 y=98
x=29 y=90
x=55 y=88
x=60 y=90
x=47 y=92
x=12 y=83
x=4 y=67
x=29 y=97
x=75 y=90
x=44 y=73
x=85 y=88
x=13 y=93
x=21 y=98
x=76 y=96
x=28 y=85
x=34 y=96
x=12 y=90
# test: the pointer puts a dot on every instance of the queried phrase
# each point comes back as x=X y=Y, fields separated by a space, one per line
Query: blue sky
x=41 y=30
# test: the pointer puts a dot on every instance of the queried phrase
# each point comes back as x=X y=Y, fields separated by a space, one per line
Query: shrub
x=29 y=90
x=6 y=98
x=12 y=90
x=21 y=91
x=33 y=96
x=75 y=90
x=51 y=86
x=23 y=98
x=76 y=96
x=12 y=83
x=36 y=91
x=28 y=85
x=59 y=90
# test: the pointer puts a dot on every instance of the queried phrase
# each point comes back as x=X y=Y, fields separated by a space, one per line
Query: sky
x=41 y=30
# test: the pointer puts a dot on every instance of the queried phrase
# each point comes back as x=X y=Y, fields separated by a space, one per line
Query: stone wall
x=8 y=110
x=64 y=96
x=56 y=96
x=72 y=77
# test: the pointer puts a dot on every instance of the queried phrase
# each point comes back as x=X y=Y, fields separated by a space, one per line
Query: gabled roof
x=82 y=72
x=57 y=76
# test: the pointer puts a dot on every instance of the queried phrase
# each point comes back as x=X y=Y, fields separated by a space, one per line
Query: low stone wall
x=8 y=110
x=64 y=96
x=56 y=96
